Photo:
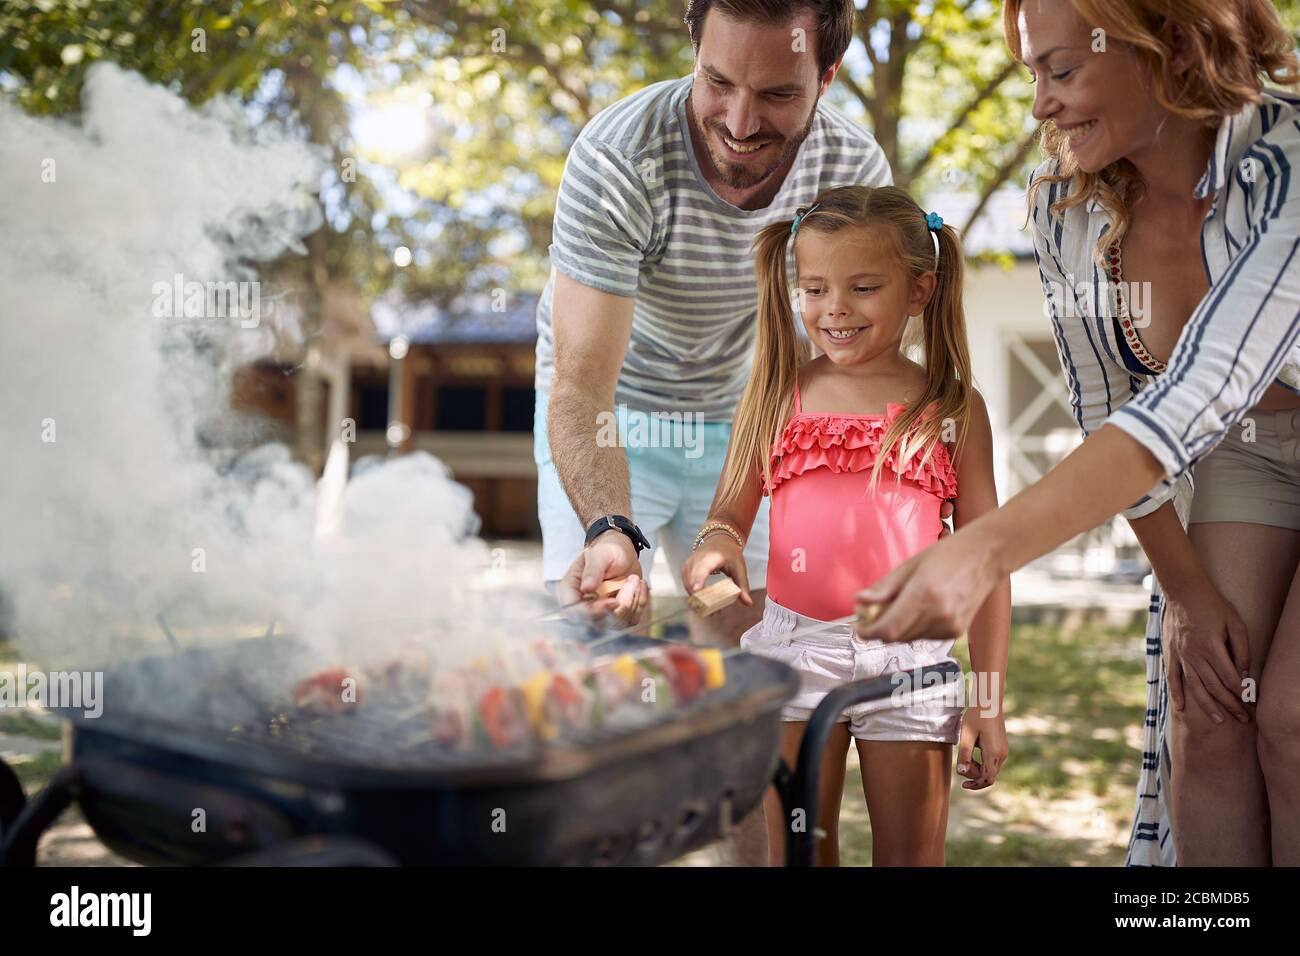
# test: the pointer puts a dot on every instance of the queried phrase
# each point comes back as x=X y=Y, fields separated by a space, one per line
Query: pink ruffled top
x=829 y=535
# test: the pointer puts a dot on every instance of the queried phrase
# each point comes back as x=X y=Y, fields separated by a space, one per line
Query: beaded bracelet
x=713 y=526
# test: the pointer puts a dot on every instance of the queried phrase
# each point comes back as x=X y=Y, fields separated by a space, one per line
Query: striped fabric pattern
x=1242 y=336
x=635 y=217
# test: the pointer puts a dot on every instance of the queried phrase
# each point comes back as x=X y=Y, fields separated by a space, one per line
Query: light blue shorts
x=672 y=488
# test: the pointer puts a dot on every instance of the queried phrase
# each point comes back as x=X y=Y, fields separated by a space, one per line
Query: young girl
x=858 y=449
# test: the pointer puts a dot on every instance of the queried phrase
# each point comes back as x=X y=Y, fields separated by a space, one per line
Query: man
x=648 y=317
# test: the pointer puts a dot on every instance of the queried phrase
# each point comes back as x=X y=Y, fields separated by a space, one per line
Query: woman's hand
x=717 y=552
x=1206 y=652
x=934 y=594
x=989 y=734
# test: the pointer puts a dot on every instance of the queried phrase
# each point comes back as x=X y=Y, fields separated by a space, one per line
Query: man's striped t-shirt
x=635 y=217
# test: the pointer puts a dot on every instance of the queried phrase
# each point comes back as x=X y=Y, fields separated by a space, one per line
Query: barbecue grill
x=346 y=789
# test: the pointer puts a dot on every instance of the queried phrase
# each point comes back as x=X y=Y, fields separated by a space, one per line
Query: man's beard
x=737 y=175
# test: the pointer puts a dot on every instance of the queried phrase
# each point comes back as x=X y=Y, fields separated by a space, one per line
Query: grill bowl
x=163 y=790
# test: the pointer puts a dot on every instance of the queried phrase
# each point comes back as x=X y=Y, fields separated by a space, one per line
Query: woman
x=1169 y=165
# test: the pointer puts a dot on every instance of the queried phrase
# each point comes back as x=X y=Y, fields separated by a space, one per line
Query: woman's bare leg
x=906 y=784
x=831 y=789
x=1219 y=804
x=1278 y=714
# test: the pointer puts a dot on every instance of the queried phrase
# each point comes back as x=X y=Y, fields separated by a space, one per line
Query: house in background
x=398 y=377
x=1018 y=372
x=459 y=384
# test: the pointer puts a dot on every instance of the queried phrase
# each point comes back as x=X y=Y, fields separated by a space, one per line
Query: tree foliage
x=506 y=86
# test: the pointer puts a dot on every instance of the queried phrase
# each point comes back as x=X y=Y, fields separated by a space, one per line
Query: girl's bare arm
x=739 y=512
x=990 y=629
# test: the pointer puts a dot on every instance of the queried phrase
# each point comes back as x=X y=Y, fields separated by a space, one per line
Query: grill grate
x=401 y=738
x=235 y=698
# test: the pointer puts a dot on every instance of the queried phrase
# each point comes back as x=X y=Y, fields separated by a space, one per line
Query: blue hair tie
x=934 y=221
x=800 y=216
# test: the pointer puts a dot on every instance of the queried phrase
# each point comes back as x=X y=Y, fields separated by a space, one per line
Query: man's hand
x=610 y=556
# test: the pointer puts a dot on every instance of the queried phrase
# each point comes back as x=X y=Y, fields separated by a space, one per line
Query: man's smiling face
x=755 y=94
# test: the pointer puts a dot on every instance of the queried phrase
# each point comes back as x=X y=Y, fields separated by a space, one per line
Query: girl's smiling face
x=855 y=293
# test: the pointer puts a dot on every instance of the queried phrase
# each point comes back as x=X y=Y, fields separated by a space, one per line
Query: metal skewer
x=162 y=622
x=605 y=589
x=867 y=616
x=680 y=612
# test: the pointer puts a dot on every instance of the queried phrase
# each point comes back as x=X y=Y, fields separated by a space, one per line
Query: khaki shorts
x=1252 y=475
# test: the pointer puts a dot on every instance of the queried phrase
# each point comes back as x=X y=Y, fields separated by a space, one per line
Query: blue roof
x=470 y=321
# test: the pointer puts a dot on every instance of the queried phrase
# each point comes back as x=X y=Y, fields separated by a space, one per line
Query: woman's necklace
x=1115 y=269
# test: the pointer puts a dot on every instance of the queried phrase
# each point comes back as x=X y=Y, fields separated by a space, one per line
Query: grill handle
x=19 y=846
x=12 y=798
x=801 y=790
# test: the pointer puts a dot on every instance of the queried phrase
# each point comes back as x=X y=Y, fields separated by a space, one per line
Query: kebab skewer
x=723 y=593
x=469 y=709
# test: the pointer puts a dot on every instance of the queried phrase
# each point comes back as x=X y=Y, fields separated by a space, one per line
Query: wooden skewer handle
x=869 y=614
x=608 y=588
x=711 y=599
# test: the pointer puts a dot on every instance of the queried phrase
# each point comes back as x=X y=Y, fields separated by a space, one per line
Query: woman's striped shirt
x=1241 y=337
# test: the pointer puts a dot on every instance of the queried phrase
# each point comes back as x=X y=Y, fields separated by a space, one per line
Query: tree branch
x=1004 y=172
x=982 y=94
x=436 y=12
x=627 y=11
x=856 y=89
x=869 y=17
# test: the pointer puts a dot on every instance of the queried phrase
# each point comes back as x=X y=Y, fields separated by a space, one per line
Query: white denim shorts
x=834 y=656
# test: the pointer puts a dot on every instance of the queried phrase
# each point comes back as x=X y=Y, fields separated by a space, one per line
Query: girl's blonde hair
x=779 y=352
x=1234 y=44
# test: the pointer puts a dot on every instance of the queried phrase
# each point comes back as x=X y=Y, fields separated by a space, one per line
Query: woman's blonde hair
x=768 y=399
x=1234 y=44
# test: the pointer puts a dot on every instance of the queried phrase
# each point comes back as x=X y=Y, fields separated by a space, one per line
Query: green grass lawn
x=1075 y=702
x=35 y=772
x=21 y=722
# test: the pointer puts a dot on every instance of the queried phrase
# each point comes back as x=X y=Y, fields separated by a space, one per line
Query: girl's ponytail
x=946 y=351
x=941 y=413
x=778 y=352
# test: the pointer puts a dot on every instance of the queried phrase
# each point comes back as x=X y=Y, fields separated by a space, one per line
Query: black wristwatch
x=618 y=523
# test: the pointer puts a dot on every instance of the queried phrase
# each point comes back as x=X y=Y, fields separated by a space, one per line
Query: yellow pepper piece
x=715 y=674
x=534 y=692
x=625 y=667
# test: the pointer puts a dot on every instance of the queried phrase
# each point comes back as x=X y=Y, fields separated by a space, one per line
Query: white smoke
x=112 y=509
